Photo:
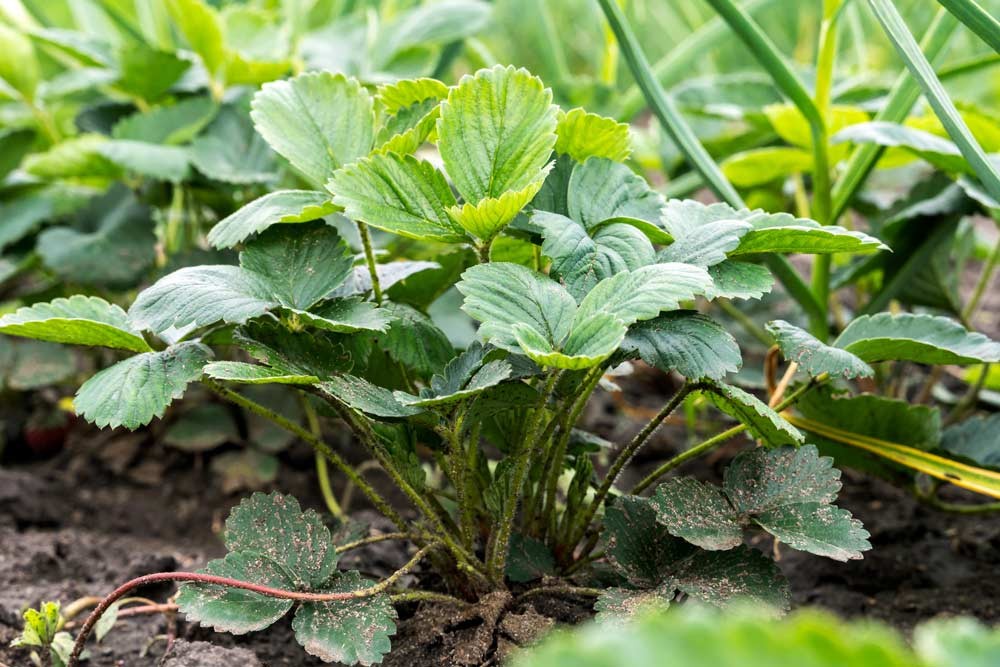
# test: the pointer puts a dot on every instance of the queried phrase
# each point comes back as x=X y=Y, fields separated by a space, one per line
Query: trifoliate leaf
x=591 y=341
x=243 y=373
x=687 y=342
x=415 y=341
x=582 y=135
x=706 y=245
x=581 y=260
x=761 y=421
x=699 y=513
x=646 y=292
x=640 y=547
x=976 y=439
x=78 y=320
x=501 y=295
x=405 y=130
x=924 y=339
x=272 y=208
x=366 y=397
x=496 y=132
x=739 y=280
x=299 y=265
x=201 y=295
x=236 y=610
x=486 y=218
x=134 y=391
x=318 y=121
x=813 y=356
x=274 y=525
x=600 y=189
x=399 y=194
x=349 y=631
x=528 y=559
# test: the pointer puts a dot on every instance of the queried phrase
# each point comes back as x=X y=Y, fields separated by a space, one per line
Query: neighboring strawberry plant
x=571 y=265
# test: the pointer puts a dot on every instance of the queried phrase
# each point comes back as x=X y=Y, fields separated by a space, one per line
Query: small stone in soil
x=203 y=654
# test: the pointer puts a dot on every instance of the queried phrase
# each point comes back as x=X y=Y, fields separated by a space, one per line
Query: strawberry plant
x=570 y=264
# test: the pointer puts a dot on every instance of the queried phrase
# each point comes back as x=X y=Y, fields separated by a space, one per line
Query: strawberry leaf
x=271 y=209
x=78 y=320
x=687 y=342
x=814 y=356
x=924 y=339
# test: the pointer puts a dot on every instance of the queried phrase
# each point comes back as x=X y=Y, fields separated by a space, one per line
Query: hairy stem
x=366 y=241
x=625 y=456
x=197 y=577
x=529 y=447
x=715 y=441
x=374 y=539
x=380 y=503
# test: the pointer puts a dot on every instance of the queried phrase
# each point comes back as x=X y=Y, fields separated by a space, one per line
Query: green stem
x=366 y=241
x=322 y=472
x=931 y=500
x=426 y=596
x=529 y=447
x=623 y=458
x=715 y=441
x=984 y=280
x=374 y=539
x=744 y=321
x=256 y=408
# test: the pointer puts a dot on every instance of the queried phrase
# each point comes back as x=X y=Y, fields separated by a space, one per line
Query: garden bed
x=83 y=522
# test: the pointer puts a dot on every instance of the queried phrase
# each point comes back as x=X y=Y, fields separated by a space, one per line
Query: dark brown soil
x=82 y=522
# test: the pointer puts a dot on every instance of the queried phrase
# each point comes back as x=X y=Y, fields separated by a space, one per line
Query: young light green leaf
x=135 y=391
x=318 y=121
x=582 y=135
x=399 y=194
x=202 y=28
x=274 y=525
x=760 y=166
x=19 y=67
x=687 y=342
x=761 y=421
x=88 y=50
x=924 y=339
x=148 y=72
x=813 y=356
x=298 y=265
x=496 y=132
x=271 y=209
x=501 y=295
x=201 y=295
x=347 y=631
x=399 y=95
x=600 y=189
x=78 y=320
x=486 y=218
x=236 y=610
x=76 y=157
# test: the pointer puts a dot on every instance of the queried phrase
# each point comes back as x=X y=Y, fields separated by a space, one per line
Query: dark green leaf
x=814 y=356
x=924 y=339
x=687 y=342
x=78 y=320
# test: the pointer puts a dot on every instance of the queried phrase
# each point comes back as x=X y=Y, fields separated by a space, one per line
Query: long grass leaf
x=902 y=39
x=977 y=19
x=898 y=103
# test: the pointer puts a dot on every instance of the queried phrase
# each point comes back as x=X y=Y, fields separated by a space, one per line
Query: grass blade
x=980 y=480
x=679 y=61
x=936 y=95
x=902 y=96
x=977 y=19
x=670 y=117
